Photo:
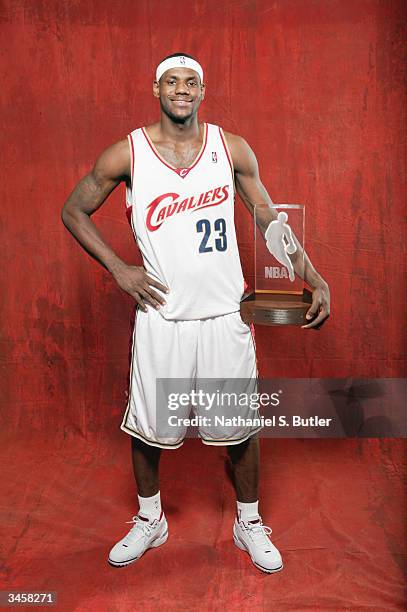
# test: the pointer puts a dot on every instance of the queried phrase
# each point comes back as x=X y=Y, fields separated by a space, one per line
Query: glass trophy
x=279 y=296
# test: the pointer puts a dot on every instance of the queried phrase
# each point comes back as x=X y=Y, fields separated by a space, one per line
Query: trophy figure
x=279 y=296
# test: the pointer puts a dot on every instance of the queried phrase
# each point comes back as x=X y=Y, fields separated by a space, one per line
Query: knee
x=237 y=451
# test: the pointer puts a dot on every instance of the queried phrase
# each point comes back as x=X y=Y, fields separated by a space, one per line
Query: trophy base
x=275 y=308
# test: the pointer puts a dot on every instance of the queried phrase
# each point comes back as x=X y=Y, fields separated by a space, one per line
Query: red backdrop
x=317 y=88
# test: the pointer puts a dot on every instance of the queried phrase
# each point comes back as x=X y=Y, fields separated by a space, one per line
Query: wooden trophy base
x=275 y=308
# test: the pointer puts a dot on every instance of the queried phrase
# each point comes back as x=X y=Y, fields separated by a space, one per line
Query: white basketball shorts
x=219 y=351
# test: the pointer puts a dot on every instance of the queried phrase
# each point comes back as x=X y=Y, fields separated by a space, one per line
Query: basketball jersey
x=183 y=221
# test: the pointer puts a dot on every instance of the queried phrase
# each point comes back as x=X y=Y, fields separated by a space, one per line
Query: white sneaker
x=143 y=535
x=252 y=536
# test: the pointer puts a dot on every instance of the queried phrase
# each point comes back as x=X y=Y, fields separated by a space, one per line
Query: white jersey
x=183 y=220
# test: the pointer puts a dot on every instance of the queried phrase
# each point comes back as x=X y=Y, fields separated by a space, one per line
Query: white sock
x=247 y=511
x=150 y=506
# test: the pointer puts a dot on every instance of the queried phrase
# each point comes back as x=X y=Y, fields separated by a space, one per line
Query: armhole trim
x=131 y=147
x=228 y=155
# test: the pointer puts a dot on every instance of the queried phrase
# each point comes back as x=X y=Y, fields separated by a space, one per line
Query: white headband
x=179 y=61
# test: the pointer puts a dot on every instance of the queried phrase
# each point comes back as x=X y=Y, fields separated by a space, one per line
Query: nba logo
x=214 y=157
x=182 y=60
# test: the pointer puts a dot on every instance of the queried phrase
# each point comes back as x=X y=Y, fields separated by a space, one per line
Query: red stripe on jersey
x=128 y=214
x=132 y=159
x=226 y=151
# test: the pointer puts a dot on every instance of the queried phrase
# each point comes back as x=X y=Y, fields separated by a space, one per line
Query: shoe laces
x=141 y=526
x=258 y=532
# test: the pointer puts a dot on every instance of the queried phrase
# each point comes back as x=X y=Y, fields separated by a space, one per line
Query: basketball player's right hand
x=136 y=282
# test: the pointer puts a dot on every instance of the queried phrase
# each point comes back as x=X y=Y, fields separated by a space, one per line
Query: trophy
x=279 y=296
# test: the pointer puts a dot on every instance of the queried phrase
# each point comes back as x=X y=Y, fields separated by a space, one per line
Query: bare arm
x=112 y=167
x=253 y=194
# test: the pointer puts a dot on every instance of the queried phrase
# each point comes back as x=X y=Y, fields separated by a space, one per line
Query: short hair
x=178 y=55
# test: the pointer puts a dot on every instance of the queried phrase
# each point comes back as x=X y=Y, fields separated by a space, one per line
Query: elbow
x=66 y=216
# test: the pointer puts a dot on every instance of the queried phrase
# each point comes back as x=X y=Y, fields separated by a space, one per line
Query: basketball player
x=180 y=178
x=280 y=242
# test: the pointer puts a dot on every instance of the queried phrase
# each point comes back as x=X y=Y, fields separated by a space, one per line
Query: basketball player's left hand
x=320 y=307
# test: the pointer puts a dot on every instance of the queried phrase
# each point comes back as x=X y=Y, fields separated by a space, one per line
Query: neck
x=179 y=131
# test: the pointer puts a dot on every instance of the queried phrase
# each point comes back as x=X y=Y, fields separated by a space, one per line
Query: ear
x=203 y=91
x=156 y=89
